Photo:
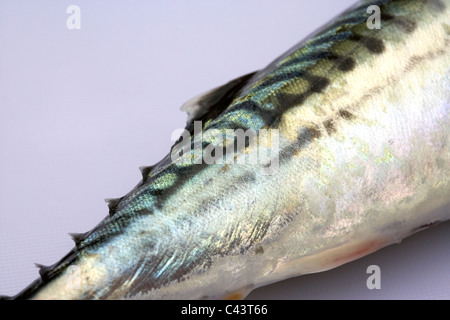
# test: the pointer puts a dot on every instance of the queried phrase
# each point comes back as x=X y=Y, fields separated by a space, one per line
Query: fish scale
x=351 y=143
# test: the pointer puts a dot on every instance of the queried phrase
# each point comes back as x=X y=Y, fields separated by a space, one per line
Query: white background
x=81 y=110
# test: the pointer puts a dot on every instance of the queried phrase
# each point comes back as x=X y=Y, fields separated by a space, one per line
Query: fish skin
x=257 y=247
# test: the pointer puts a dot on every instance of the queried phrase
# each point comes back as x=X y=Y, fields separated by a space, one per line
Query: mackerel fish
x=360 y=118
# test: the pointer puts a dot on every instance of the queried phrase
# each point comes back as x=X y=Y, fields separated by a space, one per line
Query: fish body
x=361 y=117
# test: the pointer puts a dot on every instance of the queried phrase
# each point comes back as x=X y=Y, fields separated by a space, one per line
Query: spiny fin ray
x=212 y=103
x=145 y=170
x=43 y=270
x=112 y=205
x=78 y=237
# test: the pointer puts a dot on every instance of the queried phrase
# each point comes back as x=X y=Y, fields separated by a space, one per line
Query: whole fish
x=350 y=134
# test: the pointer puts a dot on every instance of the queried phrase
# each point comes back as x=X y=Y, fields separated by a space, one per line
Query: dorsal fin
x=203 y=107
x=40 y=266
x=112 y=205
x=42 y=270
x=211 y=103
x=78 y=237
x=145 y=172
